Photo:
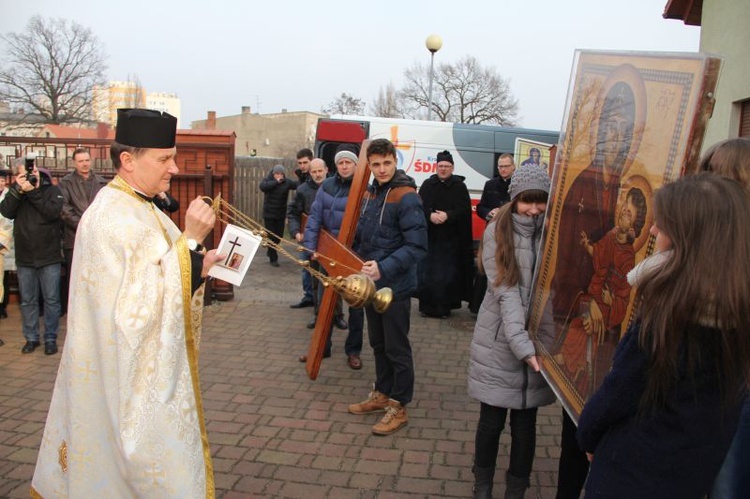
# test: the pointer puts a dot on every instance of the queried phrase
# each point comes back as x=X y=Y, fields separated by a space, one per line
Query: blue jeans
x=307 y=285
x=733 y=481
x=30 y=280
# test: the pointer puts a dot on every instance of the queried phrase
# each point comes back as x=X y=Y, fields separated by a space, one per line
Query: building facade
x=278 y=135
x=724 y=32
x=166 y=103
x=106 y=99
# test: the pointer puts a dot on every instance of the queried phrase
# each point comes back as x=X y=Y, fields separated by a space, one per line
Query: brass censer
x=357 y=289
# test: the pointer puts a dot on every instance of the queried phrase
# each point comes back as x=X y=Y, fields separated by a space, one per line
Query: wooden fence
x=248 y=172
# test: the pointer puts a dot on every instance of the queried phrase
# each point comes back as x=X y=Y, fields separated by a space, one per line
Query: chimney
x=211 y=121
x=245 y=109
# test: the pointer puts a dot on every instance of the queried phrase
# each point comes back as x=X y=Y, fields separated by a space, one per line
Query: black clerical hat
x=445 y=156
x=145 y=128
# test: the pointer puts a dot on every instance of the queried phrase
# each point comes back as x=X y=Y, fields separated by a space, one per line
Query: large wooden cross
x=340 y=262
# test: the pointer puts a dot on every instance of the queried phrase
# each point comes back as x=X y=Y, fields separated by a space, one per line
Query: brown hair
x=705 y=282
x=731 y=159
x=505 y=254
x=80 y=150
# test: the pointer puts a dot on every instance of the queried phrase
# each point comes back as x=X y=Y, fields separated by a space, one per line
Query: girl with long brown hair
x=665 y=415
x=504 y=369
x=731 y=158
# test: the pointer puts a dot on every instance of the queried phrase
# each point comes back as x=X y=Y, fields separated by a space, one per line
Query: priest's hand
x=209 y=260
x=199 y=220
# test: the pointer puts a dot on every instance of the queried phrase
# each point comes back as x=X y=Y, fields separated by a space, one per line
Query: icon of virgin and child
x=604 y=221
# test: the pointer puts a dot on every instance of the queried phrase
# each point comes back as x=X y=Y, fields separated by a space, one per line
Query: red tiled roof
x=70 y=132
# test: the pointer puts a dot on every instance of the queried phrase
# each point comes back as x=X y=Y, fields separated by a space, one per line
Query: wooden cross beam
x=340 y=262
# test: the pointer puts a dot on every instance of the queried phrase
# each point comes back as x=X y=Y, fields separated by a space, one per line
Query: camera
x=29 y=163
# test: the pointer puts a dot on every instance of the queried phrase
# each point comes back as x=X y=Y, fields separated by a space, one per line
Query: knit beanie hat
x=347 y=151
x=445 y=156
x=526 y=178
x=279 y=169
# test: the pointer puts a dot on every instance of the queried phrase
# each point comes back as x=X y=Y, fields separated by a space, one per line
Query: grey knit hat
x=279 y=169
x=342 y=153
x=526 y=178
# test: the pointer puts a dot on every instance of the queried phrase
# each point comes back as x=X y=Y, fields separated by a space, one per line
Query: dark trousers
x=353 y=344
x=389 y=339
x=523 y=438
x=573 y=466
x=65 y=291
x=6 y=291
x=276 y=227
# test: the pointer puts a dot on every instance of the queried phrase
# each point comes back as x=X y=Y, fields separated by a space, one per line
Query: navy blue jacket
x=327 y=211
x=673 y=452
x=393 y=232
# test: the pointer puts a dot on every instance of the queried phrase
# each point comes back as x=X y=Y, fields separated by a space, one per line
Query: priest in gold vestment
x=126 y=417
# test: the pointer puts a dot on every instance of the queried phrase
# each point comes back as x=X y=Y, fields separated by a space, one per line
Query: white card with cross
x=238 y=246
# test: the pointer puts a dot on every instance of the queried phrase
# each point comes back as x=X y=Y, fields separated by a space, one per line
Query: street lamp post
x=433 y=44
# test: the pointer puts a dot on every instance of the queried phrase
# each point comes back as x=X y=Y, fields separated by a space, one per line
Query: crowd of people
x=671 y=418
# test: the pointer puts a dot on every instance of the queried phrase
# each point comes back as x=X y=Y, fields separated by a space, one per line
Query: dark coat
x=495 y=194
x=301 y=203
x=78 y=193
x=37 y=230
x=276 y=196
x=445 y=276
x=392 y=231
x=674 y=452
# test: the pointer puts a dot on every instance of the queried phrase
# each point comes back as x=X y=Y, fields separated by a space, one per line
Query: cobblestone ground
x=274 y=432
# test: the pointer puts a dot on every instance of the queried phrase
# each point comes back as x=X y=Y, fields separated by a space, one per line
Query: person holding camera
x=35 y=206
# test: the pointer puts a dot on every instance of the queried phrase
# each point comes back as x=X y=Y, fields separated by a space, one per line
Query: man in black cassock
x=445 y=276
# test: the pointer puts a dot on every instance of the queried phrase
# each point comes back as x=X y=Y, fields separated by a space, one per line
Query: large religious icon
x=633 y=122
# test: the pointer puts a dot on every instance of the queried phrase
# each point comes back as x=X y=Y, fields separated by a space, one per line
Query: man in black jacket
x=276 y=188
x=79 y=188
x=36 y=205
x=301 y=203
x=495 y=193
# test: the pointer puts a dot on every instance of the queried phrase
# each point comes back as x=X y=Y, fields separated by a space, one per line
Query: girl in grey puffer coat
x=504 y=369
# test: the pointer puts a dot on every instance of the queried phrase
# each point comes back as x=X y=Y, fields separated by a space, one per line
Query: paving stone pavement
x=274 y=432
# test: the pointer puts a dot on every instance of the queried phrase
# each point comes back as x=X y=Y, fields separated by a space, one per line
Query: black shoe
x=3 y=314
x=274 y=264
x=340 y=323
x=311 y=324
x=29 y=347
x=302 y=304
x=50 y=348
x=2 y=343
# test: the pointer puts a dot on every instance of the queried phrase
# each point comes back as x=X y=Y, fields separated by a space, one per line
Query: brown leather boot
x=376 y=402
x=395 y=417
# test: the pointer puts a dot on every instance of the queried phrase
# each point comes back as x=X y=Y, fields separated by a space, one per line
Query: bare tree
x=50 y=69
x=463 y=92
x=345 y=104
x=137 y=96
x=388 y=104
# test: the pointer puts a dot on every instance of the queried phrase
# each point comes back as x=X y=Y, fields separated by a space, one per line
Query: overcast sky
x=224 y=54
